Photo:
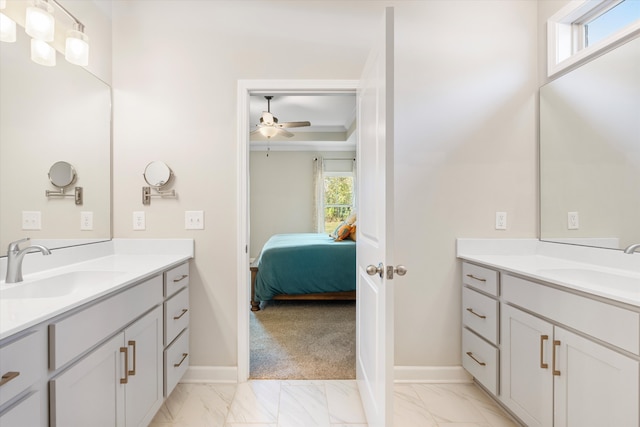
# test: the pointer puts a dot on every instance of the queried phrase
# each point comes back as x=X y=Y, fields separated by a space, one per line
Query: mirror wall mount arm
x=147 y=195
x=77 y=194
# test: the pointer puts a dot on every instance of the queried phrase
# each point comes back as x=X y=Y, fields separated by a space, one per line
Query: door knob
x=400 y=270
x=372 y=270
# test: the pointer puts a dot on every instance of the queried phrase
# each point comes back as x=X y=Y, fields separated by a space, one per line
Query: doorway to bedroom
x=301 y=228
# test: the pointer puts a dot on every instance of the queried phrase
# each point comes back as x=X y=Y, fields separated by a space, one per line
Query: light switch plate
x=139 y=222
x=194 y=220
x=31 y=220
x=86 y=220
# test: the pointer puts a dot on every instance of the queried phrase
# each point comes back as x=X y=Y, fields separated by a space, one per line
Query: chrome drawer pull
x=470 y=310
x=184 y=356
x=543 y=338
x=476 y=278
x=184 y=311
x=179 y=279
x=8 y=377
x=476 y=360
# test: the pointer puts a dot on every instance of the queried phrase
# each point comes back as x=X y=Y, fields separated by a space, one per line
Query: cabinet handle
x=543 y=338
x=179 y=279
x=184 y=356
x=476 y=278
x=133 y=344
x=125 y=350
x=555 y=371
x=476 y=360
x=184 y=311
x=470 y=310
x=8 y=377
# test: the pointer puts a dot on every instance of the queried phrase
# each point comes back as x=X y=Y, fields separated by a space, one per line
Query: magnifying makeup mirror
x=62 y=174
x=157 y=174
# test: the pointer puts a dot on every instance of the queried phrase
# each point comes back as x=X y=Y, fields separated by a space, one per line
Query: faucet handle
x=13 y=246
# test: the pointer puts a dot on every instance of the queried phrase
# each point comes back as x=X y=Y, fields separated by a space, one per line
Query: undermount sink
x=60 y=285
x=625 y=283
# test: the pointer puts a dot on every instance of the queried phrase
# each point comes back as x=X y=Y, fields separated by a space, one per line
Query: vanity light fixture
x=40 y=23
x=77 y=46
x=7 y=25
x=43 y=53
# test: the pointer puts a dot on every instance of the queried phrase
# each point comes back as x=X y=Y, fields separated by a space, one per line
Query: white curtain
x=318 y=199
x=355 y=186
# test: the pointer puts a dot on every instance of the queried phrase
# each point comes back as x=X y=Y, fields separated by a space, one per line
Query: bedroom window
x=585 y=28
x=335 y=183
x=338 y=197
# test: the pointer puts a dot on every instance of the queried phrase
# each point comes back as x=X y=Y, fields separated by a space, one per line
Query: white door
x=374 y=307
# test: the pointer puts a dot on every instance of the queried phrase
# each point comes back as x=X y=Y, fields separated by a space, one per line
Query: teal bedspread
x=305 y=263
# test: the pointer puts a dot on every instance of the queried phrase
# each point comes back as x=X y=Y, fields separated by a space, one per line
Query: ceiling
x=332 y=118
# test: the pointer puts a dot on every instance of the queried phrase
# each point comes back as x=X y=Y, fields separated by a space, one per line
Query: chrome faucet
x=632 y=248
x=15 y=256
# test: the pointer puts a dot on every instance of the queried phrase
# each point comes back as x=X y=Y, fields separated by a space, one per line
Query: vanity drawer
x=22 y=363
x=480 y=313
x=26 y=413
x=480 y=359
x=77 y=333
x=176 y=361
x=176 y=315
x=614 y=325
x=176 y=279
x=481 y=278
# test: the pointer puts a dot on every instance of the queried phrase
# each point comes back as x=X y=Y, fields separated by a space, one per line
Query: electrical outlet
x=501 y=220
x=86 y=220
x=139 y=220
x=31 y=220
x=194 y=220
x=573 y=222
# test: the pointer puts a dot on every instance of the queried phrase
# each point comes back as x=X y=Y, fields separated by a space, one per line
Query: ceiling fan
x=269 y=125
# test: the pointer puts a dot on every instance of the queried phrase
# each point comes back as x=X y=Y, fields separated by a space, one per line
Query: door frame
x=246 y=88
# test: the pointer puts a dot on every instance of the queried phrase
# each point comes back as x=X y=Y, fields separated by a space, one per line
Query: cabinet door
x=526 y=381
x=144 y=388
x=90 y=392
x=596 y=386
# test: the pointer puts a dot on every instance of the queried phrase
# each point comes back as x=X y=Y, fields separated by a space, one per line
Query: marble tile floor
x=334 y=403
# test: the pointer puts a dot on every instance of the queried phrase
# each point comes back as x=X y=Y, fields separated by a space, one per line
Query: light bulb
x=42 y=53
x=40 y=23
x=77 y=48
x=7 y=29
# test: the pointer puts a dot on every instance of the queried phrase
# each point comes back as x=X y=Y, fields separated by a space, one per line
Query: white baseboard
x=402 y=374
x=211 y=374
x=430 y=374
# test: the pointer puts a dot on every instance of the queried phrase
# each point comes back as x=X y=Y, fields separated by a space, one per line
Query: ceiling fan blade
x=283 y=132
x=293 y=124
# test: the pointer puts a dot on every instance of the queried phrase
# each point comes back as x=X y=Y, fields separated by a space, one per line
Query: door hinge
x=246 y=249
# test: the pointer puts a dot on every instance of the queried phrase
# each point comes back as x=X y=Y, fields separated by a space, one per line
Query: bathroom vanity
x=552 y=331
x=98 y=342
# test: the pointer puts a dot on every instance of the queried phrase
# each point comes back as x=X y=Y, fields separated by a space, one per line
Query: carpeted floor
x=303 y=340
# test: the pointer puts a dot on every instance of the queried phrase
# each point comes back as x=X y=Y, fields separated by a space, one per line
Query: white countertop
x=608 y=274
x=121 y=264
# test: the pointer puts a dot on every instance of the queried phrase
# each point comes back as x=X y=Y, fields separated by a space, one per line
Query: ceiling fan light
x=40 y=22
x=268 y=131
x=77 y=48
x=7 y=29
x=42 y=53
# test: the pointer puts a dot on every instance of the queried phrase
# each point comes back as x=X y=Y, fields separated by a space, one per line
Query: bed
x=303 y=266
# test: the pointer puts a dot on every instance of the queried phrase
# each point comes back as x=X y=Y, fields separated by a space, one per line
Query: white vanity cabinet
x=117 y=382
x=22 y=366
x=566 y=359
x=176 y=322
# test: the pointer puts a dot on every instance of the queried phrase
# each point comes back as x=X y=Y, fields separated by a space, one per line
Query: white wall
x=282 y=193
x=465 y=136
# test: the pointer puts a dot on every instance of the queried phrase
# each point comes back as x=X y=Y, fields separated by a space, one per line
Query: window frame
x=565 y=34
x=326 y=205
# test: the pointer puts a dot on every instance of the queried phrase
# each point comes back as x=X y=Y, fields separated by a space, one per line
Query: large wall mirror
x=48 y=115
x=590 y=152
